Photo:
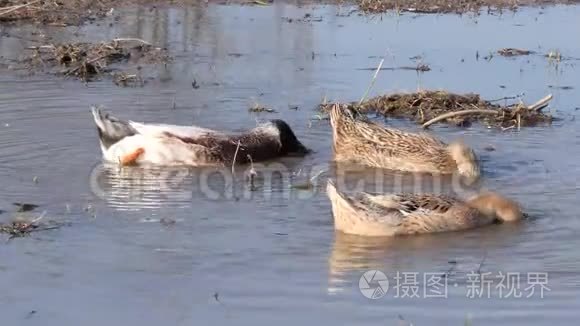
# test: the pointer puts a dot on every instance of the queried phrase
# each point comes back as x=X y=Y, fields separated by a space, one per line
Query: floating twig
x=130 y=39
x=507 y=128
x=235 y=156
x=372 y=81
x=541 y=104
x=456 y=114
x=38 y=218
x=421 y=67
x=49 y=46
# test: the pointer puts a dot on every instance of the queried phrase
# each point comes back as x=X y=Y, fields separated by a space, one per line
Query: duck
x=134 y=143
x=361 y=141
x=387 y=215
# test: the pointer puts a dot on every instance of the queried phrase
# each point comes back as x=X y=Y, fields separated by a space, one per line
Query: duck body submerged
x=364 y=142
x=133 y=143
x=403 y=214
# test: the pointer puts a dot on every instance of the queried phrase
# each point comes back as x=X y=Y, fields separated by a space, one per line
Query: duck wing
x=421 y=204
x=396 y=140
x=382 y=210
x=179 y=131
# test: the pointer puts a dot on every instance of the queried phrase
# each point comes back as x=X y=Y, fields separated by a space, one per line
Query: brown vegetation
x=87 y=61
x=68 y=12
x=449 y=6
x=461 y=110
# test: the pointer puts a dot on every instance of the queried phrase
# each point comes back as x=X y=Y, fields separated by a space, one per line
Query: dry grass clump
x=426 y=106
x=88 y=61
x=54 y=12
x=449 y=6
x=429 y=6
x=75 y=12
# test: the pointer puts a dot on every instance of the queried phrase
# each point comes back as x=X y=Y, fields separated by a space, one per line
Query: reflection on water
x=352 y=178
x=154 y=187
x=125 y=188
x=269 y=249
x=352 y=255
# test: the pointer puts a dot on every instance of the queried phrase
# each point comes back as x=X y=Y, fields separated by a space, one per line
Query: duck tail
x=111 y=130
x=341 y=122
x=331 y=189
x=335 y=113
x=340 y=202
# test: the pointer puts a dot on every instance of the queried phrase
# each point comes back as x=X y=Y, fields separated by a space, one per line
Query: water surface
x=271 y=255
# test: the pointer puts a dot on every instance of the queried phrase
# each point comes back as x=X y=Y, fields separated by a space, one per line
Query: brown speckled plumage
x=364 y=142
x=402 y=214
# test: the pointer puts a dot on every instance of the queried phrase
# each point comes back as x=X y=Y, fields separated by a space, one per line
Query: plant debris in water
x=259 y=108
x=21 y=226
x=89 y=61
x=447 y=6
x=565 y=88
x=513 y=52
x=420 y=67
x=18 y=228
x=25 y=207
x=76 y=12
x=123 y=79
x=424 y=106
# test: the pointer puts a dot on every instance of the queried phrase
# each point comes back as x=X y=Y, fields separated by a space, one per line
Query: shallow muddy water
x=271 y=255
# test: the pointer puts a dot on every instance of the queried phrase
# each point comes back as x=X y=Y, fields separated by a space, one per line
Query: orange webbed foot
x=131 y=158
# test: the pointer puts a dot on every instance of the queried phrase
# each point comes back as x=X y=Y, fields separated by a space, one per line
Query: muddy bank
x=70 y=12
x=75 y=12
x=450 y=6
x=429 y=107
